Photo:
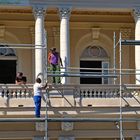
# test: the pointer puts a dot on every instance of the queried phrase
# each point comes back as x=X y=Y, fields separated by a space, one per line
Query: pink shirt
x=54 y=58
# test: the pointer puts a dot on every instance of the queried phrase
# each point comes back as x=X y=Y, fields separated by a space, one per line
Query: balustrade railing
x=78 y=91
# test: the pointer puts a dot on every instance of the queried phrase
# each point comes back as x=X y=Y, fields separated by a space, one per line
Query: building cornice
x=16 y=11
x=73 y=12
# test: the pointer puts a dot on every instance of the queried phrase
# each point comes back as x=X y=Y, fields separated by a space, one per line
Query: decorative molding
x=67 y=126
x=6 y=51
x=17 y=11
x=94 y=51
x=93 y=12
x=73 y=12
x=40 y=126
x=95 y=33
x=126 y=33
x=64 y=12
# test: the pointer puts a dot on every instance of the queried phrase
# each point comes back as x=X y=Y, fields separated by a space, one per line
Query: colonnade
x=64 y=13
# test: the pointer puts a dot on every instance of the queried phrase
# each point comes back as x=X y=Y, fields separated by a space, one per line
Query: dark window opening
x=90 y=64
x=7 y=71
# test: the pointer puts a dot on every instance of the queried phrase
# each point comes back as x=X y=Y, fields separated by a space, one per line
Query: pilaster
x=2 y=33
x=56 y=36
x=32 y=32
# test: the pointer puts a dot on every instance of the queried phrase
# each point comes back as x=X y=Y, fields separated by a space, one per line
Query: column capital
x=136 y=13
x=39 y=11
x=64 y=12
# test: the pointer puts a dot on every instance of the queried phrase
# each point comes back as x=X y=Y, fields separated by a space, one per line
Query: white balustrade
x=78 y=91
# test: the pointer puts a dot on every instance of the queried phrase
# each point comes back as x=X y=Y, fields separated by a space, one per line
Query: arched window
x=6 y=51
x=95 y=60
x=94 y=51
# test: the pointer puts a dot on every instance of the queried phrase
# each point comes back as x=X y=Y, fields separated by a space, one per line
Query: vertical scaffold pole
x=46 y=118
x=45 y=78
x=114 y=53
x=120 y=50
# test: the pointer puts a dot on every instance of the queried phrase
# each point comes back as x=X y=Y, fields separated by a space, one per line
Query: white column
x=39 y=41
x=64 y=40
x=137 y=48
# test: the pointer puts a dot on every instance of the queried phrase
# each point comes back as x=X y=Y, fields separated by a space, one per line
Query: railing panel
x=78 y=91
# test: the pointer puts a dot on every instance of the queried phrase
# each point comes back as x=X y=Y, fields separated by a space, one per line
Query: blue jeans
x=37 y=102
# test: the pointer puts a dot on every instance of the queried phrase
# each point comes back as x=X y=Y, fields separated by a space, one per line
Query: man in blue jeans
x=37 y=95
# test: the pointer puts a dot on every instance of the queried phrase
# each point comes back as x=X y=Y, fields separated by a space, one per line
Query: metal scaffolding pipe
x=82 y=75
x=90 y=75
x=130 y=42
x=68 y=119
x=14 y=45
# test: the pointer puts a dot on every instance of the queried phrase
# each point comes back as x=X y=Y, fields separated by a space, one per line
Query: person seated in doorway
x=24 y=80
x=20 y=79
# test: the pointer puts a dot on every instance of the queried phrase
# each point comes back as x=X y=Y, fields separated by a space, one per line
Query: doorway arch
x=94 y=61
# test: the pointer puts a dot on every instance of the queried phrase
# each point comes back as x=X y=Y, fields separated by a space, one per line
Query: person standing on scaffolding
x=55 y=61
x=37 y=88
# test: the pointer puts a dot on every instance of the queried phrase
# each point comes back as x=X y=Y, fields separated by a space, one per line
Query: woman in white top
x=37 y=95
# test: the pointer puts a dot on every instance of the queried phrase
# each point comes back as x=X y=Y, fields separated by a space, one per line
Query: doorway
x=7 y=71
x=90 y=64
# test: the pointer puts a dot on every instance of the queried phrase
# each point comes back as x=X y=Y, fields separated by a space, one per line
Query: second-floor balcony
x=61 y=99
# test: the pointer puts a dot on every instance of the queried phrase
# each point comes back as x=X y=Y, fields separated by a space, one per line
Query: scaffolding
x=114 y=75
